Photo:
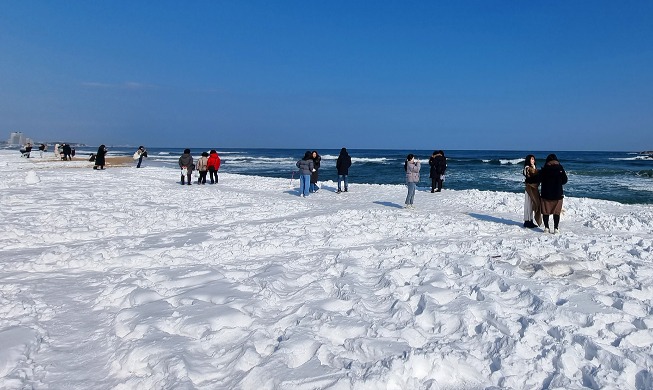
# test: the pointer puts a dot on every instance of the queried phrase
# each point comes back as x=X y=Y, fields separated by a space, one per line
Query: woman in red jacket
x=214 y=165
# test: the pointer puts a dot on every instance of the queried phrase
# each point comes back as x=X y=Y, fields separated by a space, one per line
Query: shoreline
x=111 y=161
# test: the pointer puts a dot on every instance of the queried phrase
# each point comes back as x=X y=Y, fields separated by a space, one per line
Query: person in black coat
x=99 y=157
x=316 y=165
x=67 y=152
x=438 y=165
x=342 y=165
x=553 y=177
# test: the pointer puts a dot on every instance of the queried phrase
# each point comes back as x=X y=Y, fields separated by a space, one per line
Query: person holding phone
x=412 y=167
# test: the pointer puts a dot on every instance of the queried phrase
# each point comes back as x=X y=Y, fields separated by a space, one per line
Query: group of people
x=412 y=166
x=26 y=150
x=64 y=151
x=208 y=163
x=309 y=167
x=539 y=204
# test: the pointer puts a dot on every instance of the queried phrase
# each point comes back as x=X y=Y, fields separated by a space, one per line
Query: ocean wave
x=502 y=161
x=636 y=158
x=370 y=159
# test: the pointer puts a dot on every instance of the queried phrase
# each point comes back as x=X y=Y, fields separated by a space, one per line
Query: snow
x=124 y=279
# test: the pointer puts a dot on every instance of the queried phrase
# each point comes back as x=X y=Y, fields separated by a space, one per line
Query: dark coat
x=99 y=156
x=316 y=165
x=343 y=163
x=553 y=177
x=186 y=160
x=438 y=165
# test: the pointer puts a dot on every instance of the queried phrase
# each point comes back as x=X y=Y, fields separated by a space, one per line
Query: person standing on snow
x=316 y=164
x=306 y=167
x=553 y=177
x=532 y=196
x=186 y=165
x=203 y=167
x=214 y=166
x=342 y=165
x=438 y=165
x=100 y=160
x=412 y=167
x=140 y=153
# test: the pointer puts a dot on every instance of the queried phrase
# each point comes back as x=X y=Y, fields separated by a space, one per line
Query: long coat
x=553 y=177
x=99 y=156
x=316 y=165
x=438 y=165
x=343 y=163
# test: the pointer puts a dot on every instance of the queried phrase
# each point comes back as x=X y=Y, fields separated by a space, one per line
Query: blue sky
x=549 y=75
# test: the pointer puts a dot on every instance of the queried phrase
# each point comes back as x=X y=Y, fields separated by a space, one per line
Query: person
x=187 y=166
x=25 y=152
x=552 y=176
x=532 y=195
x=99 y=156
x=412 y=167
x=214 y=166
x=57 y=151
x=67 y=154
x=316 y=164
x=342 y=165
x=42 y=149
x=140 y=154
x=203 y=167
x=438 y=165
x=306 y=167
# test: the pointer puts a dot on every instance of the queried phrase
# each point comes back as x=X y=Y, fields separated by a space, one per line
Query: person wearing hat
x=187 y=166
x=203 y=167
x=552 y=176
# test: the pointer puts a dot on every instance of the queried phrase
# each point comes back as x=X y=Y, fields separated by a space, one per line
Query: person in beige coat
x=532 y=196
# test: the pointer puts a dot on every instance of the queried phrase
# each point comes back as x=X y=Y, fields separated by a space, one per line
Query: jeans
x=313 y=187
x=411 y=192
x=342 y=178
x=304 y=184
x=140 y=160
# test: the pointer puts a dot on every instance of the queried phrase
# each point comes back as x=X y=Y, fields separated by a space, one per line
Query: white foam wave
x=514 y=161
x=640 y=157
x=364 y=159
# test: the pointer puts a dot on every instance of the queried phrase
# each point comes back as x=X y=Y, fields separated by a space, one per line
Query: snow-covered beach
x=123 y=279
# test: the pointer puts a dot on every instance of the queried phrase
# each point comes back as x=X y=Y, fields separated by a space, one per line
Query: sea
x=625 y=177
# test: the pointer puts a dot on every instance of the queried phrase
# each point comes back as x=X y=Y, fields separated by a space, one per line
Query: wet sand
x=111 y=161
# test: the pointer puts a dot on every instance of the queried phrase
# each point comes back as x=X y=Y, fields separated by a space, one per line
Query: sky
x=505 y=75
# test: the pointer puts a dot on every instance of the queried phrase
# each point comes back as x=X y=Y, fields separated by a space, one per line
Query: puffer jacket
x=202 y=164
x=412 y=171
x=186 y=160
x=305 y=167
x=214 y=161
